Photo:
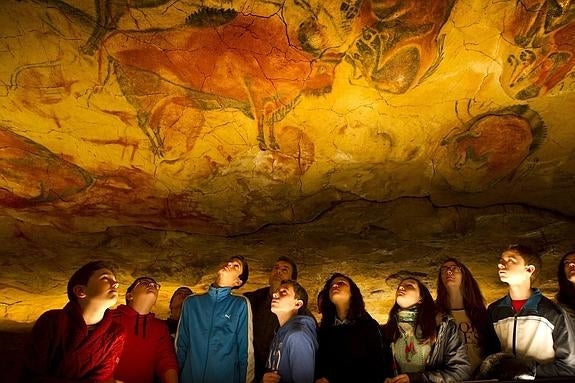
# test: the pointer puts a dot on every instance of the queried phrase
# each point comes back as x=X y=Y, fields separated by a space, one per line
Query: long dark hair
x=425 y=316
x=356 y=304
x=566 y=294
x=473 y=300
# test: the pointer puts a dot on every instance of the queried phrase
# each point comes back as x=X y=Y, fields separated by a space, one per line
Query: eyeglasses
x=450 y=269
x=148 y=283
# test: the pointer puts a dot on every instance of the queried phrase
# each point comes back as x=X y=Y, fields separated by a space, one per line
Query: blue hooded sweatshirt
x=292 y=352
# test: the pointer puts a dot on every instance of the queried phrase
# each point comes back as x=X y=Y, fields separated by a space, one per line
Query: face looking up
x=102 y=286
x=512 y=268
x=229 y=273
x=146 y=289
x=569 y=267
x=339 y=291
x=281 y=271
x=451 y=274
x=284 y=300
x=407 y=293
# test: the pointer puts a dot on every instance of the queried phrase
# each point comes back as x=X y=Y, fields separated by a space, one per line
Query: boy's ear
x=238 y=282
x=298 y=303
x=129 y=296
x=79 y=291
x=530 y=269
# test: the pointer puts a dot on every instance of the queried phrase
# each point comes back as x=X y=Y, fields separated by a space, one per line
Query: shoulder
x=549 y=309
x=258 y=294
x=50 y=318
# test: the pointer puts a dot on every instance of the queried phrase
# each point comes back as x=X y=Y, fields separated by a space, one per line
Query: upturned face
x=281 y=271
x=407 y=293
x=145 y=291
x=284 y=300
x=340 y=290
x=512 y=268
x=569 y=267
x=451 y=275
x=229 y=273
x=103 y=287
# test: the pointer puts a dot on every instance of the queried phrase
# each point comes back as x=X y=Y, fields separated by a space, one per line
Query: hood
x=140 y=322
x=298 y=322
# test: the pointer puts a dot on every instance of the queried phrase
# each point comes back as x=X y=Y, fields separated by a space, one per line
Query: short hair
x=299 y=293
x=245 y=270
x=530 y=257
x=83 y=275
x=285 y=258
x=136 y=281
x=182 y=290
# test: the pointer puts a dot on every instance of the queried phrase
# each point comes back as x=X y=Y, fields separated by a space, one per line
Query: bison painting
x=246 y=62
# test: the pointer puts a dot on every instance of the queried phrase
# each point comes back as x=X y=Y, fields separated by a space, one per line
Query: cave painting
x=400 y=43
x=490 y=147
x=108 y=13
x=542 y=33
x=30 y=174
x=247 y=63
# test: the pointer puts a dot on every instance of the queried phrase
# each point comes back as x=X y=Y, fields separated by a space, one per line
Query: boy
x=214 y=338
x=149 y=349
x=80 y=342
x=530 y=327
x=292 y=353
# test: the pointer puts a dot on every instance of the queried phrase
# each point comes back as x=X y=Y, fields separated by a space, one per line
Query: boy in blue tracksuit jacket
x=214 y=337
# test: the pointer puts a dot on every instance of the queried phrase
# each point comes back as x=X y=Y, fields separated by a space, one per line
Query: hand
x=271 y=377
x=322 y=380
x=401 y=378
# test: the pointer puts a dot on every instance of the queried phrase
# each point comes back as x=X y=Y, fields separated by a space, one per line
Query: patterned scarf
x=409 y=353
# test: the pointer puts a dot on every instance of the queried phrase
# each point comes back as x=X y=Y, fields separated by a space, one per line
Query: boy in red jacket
x=79 y=342
x=149 y=349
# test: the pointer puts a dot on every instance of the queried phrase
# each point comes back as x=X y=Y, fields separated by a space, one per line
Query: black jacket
x=351 y=352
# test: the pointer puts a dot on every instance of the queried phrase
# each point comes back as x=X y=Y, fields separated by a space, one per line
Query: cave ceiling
x=203 y=119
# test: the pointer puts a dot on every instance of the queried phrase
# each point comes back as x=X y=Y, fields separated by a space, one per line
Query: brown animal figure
x=542 y=33
x=247 y=63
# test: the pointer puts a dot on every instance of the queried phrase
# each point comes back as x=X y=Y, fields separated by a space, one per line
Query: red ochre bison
x=247 y=63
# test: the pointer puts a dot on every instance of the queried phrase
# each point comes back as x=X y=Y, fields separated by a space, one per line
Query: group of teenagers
x=269 y=335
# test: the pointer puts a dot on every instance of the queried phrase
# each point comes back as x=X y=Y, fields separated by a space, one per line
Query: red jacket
x=149 y=347
x=62 y=349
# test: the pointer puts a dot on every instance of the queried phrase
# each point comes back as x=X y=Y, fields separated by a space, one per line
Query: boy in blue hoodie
x=292 y=353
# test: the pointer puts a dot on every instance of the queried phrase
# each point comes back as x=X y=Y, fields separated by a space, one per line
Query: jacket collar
x=531 y=303
x=219 y=293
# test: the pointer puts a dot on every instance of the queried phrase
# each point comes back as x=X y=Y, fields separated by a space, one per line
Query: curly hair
x=328 y=309
x=425 y=316
x=473 y=300
x=566 y=294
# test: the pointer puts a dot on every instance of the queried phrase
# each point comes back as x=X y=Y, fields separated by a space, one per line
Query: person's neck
x=455 y=299
x=221 y=283
x=92 y=314
x=283 y=318
x=520 y=291
x=342 y=310
x=141 y=308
